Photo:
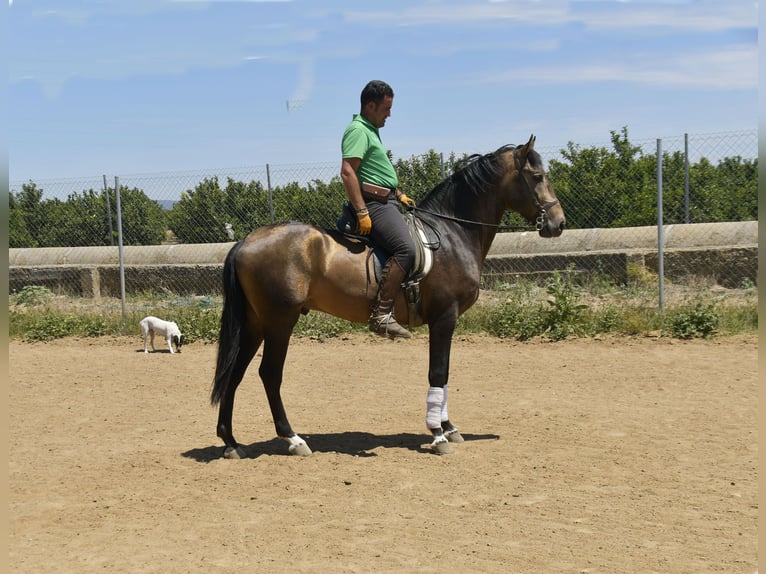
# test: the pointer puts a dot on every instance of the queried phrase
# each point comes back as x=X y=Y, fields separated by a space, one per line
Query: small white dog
x=167 y=329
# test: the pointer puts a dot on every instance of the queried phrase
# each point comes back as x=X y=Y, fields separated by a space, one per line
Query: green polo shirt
x=362 y=140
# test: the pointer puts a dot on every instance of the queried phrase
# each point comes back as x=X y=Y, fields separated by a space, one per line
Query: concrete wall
x=726 y=251
x=690 y=236
x=200 y=254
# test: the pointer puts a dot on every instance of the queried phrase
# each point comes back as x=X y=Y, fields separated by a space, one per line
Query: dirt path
x=597 y=456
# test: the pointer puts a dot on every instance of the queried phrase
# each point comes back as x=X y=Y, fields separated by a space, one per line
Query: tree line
x=598 y=186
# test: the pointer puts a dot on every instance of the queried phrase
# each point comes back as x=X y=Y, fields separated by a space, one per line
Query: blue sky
x=141 y=86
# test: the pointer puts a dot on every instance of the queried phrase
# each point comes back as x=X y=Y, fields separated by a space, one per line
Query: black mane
x=475 y=174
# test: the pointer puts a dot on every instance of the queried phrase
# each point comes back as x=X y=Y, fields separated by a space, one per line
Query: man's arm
x=351 y=182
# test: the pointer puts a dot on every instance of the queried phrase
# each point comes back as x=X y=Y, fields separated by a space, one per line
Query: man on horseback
x=371 y=183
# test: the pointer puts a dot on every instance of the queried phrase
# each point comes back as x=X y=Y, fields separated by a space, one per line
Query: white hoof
x=454 y=436
x=298 y=446
x=233 y=453
x=441 y=446
x=300 y=449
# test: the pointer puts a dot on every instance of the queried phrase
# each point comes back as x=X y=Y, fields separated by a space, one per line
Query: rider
x=371 y=183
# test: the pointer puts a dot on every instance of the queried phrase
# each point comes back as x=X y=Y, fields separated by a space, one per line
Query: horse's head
x=531 y=194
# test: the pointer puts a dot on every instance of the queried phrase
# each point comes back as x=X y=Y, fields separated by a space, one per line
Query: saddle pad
x=423 y=255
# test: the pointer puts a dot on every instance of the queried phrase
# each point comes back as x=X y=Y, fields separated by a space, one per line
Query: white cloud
x=305 y=80
x=227 y=1
x=545 y=13
x=725 y=69
x=691 y=16
x=735 y=67
x=594 y=15
x=289 y=39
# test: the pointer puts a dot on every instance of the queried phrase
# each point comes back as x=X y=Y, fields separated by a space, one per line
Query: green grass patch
x=562 y=307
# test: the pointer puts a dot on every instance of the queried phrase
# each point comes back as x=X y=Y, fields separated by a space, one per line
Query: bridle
x=542 y=209
x=540 y=218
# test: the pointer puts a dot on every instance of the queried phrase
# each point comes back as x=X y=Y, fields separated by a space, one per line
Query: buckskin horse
x=279 y=272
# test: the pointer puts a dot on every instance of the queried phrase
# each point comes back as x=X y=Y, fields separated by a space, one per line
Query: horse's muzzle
x=553 y=227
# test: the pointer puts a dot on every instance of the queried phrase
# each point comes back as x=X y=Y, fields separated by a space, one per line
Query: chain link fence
x=609 y=187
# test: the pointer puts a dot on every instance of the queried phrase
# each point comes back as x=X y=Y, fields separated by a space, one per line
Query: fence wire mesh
x=610 y=185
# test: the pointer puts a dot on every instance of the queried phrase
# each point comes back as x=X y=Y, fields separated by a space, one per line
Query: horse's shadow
x=359 y=444
x=151 y=352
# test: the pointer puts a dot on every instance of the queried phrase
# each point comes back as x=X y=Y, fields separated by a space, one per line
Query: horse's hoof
x=441 y=447
x=300 y=449
x=233 y=453
x=454 y=436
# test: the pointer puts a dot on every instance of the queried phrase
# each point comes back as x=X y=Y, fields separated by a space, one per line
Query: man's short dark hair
x=375 y=91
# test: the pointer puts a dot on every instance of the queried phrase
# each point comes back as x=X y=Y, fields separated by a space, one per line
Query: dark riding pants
x=390 y=231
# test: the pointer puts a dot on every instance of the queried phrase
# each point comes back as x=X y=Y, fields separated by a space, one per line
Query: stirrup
x=387 y=326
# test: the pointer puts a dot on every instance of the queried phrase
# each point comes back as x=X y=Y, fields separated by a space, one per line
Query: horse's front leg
x=437 y=415
x=449 y=430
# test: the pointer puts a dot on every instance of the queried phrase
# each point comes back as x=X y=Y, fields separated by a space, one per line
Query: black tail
x=232 y=319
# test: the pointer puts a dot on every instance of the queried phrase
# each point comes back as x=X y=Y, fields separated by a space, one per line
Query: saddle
x=426 y=241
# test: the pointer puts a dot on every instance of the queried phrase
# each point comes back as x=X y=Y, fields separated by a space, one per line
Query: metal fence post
x=119 y=243
x=108 y=213
x=686 y=178
x=660 y=230
x=271 y=199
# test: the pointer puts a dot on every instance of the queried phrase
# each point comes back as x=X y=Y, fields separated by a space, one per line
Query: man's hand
x=365 y=223
x=406 y=201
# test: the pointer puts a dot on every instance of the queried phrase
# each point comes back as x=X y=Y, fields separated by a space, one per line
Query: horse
x=281 y=271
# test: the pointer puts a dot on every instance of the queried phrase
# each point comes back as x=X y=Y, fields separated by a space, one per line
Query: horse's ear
x=524 y=150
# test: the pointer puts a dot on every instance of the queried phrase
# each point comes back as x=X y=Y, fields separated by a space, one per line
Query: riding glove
x=365 y=223
x=403 y=199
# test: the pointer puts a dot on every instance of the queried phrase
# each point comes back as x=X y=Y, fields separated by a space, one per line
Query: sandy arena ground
x=585 y=456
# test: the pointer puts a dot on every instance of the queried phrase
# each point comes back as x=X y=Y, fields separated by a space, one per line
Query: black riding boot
x=382 y=319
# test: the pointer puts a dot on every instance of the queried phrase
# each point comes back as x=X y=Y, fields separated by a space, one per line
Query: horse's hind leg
x=247 y=352
x=271 y=370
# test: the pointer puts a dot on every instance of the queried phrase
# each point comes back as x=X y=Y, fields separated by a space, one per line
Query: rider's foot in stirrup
x=387 y=326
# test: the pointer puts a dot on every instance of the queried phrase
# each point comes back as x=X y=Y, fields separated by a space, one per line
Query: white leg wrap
x=445 y=414
x=434 y=403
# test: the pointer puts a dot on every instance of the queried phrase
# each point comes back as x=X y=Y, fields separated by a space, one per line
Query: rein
x=472 y=222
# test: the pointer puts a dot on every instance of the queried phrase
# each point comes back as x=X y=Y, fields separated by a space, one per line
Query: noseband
x=542 y=208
